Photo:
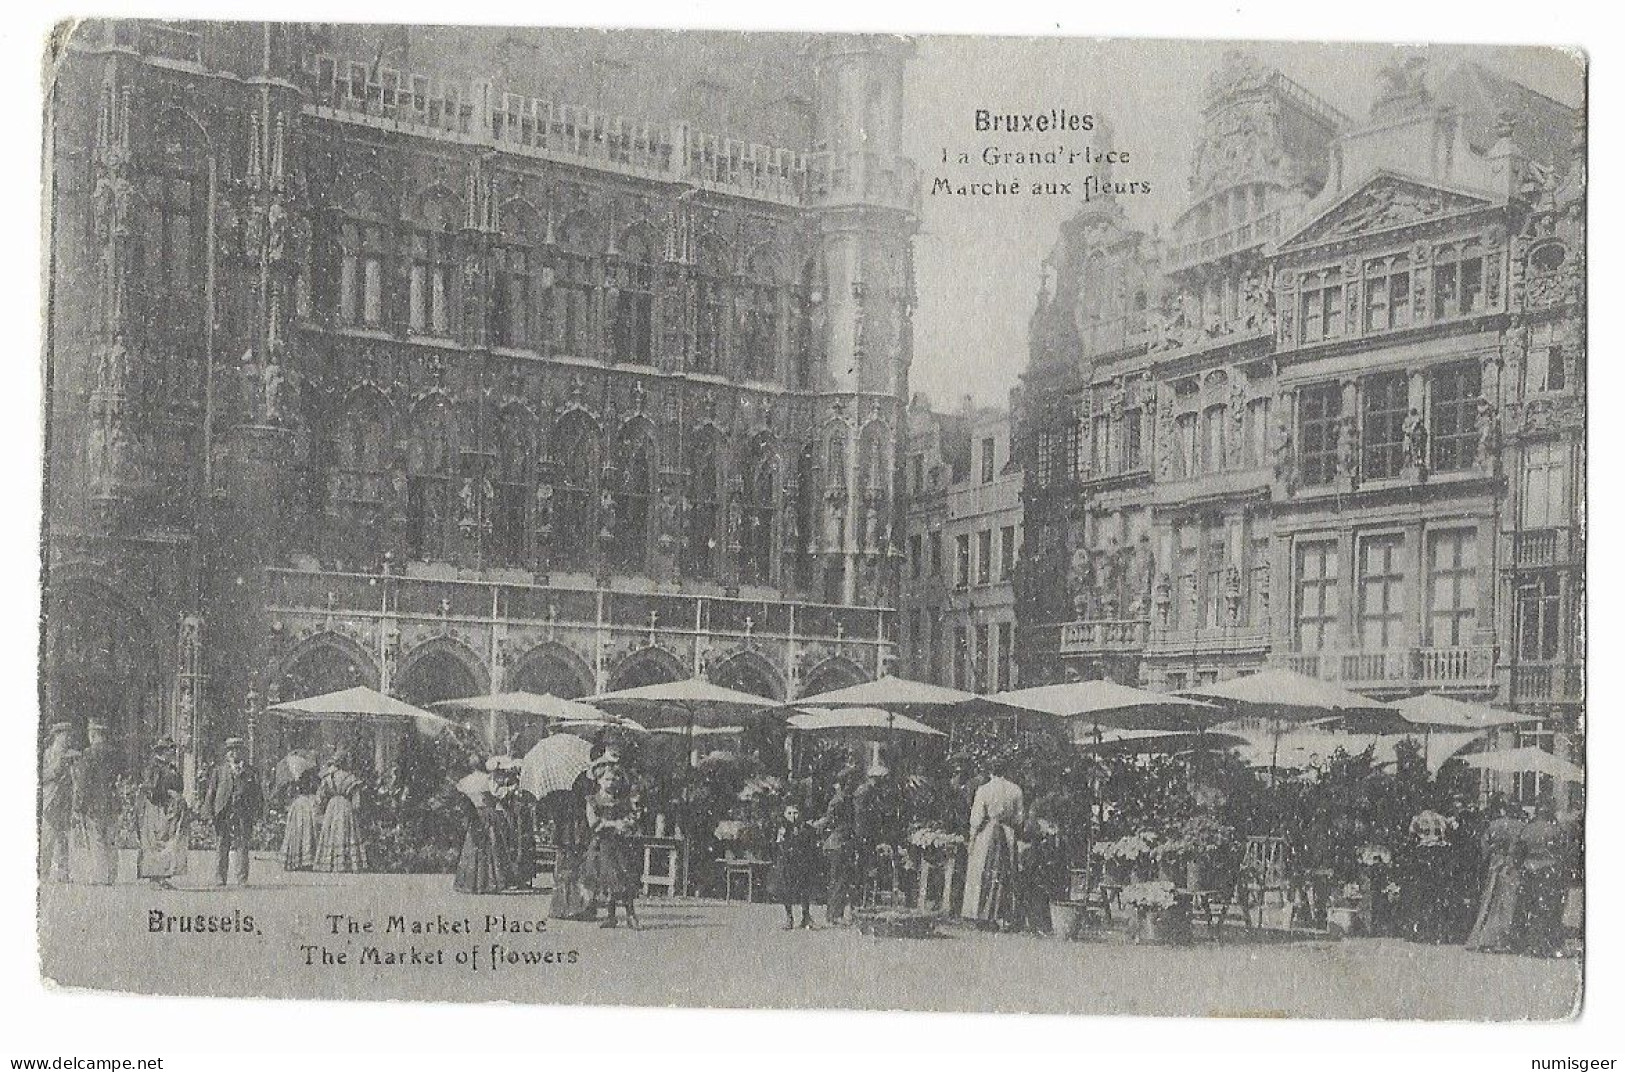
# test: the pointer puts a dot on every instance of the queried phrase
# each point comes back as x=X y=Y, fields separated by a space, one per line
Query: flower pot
x=1067 y=918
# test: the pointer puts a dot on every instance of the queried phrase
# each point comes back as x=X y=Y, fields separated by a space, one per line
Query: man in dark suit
x=233 y=803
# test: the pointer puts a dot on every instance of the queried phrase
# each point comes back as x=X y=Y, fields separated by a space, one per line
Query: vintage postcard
x=814 y=520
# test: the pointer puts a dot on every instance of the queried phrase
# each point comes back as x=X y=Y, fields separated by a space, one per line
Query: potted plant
x=1159 y=914
x=732 y=834
x=1193 y=847
x=1126 y=857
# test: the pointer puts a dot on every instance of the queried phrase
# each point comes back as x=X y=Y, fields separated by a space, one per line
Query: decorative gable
x=1384 y=201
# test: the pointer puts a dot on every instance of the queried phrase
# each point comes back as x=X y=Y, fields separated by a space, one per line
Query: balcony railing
x=1254 y=232
x=675 y=152
x=1534 y=548
x=1463 y=667
x=1548 y=683
x=1103 y=635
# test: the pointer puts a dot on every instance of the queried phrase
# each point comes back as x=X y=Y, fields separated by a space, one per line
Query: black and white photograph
x=878 y=521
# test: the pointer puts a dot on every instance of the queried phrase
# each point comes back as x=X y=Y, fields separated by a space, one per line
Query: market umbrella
x=1432 y=711
x=1526 y=760
x=554 y=764
x=1302 y=744
x=359 y=702
x=1146 y=742
x=888 y=693
x=859 y=718
x=698 y=731
x=542 y=704
x=289 y=769
x=1106 y=704
x=1284 y=696
x=475 y=785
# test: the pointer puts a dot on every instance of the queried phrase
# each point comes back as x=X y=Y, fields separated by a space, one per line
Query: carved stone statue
x=544 y=507
x=668 y=523
x=1489 y=435
x=271 y=392
x=112 y=368
x=1416 y=440
x=468 y=507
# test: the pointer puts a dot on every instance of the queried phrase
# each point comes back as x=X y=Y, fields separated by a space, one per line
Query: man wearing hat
x=94 y=780
x=56 y=802
x=233 y=803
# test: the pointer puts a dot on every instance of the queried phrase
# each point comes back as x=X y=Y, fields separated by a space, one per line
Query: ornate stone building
x=446 y=360
x=1336 y=420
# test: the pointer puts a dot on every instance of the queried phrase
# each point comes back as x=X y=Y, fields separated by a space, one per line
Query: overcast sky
x=978 y=259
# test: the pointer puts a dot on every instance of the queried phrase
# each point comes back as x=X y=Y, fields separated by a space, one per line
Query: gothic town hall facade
x=454 y=360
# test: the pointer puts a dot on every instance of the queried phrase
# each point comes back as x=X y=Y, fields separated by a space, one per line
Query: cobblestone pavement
x=705 y=953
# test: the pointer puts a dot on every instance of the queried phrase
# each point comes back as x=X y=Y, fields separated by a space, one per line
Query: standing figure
x=94 y=779
x=516 y=809
x=1543 y=845
x=1429 y=885
x=1497 y=909
x=233 y=803
x=303 y=824
x=483 y=863
x=990 y=871
x=1042 y=860
x=56 y=803
x=840 y=847
x=609 y=870
x=795 y=869
x=338 y=846
x=162 y=826
x=567 y=809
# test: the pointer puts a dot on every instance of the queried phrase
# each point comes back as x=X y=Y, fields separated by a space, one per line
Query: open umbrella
x=1432 y=711
x=542 y=704
x=475 y=785
x=888 y=693
x=698 y=731
x=290 y=768
x=359 y=702
x=859 y=718
x=1106 y=704
x=1282 y=697
x=1526 y=760
x=554 y=764
x=1147 y=742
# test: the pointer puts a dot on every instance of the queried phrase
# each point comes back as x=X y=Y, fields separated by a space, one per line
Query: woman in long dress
x=162 y=821
x=482 y=865
x=1497 y=908
x=338 y=846
x=302 y=828
x=609 y=870
x=990 y=871
x=1544 y=846
x=568 y=811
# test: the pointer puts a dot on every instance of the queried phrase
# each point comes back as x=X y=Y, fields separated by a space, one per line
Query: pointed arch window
x=431 y=463
x=174 y=196
x=359 y=456
x=711 y=307
x=430 y=281
x=704 y=505
x=756 y=541
x=514 y=270
x=577 y=455
x=572 y=290
x=759 y=346
x=809 y=296
x=516 y=462
x=634 y=499
x=631 y=282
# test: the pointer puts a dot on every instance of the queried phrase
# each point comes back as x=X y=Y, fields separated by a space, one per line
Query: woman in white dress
x=990 y=873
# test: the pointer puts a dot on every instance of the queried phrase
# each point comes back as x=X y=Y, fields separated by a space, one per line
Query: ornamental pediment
x=1382 y=202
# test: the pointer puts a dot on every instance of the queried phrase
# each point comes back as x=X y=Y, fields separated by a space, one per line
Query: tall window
x=361 y=274
x=429 y=284
x=711 y=307
x=572 y=289
x=431 y=475
x=1005 y=678
x=360 y=455
x=916 y=565
x=170 y=238
x=631 y=283
x=756 y=543
x=936 y=554
x=1256 y=432
x=984 y=651
x=1387 y=293
x=984 y=557
x=1544 y=494
x=1538 y=619
x=1454 y=426
x=1458 y=280
x=1321 y=305
x=510 y=295
x=1185 y=446
x=1007 y=552
x=1382 y=426
x=962 y=560
x=1317 y=595
x=1452 y=587
x=759 y=359
x=1215 y=571
x=634 y=499
x=1543 y=368
x=576 y=454
x=705 y=484
x=961 y=654
x=1382 y=591
x=1133 y=429
x=1213 y=439
x=987 y=460
x=1186 y=610
x=1320 y=411
x=516 y=446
